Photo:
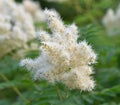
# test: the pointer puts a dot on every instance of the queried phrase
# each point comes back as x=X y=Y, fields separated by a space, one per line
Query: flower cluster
x=111 y=21
x=16 y=26
x=62 y=59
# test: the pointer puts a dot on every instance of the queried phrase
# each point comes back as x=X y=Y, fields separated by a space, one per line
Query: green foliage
x=17 y=87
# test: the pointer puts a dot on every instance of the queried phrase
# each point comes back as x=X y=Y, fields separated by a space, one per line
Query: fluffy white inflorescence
x=62 y=59
x=16 y=26
x=111 y=21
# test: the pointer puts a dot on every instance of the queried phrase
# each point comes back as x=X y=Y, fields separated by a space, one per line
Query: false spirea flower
x=62 y=59
x=111 y=21
x=16 y=26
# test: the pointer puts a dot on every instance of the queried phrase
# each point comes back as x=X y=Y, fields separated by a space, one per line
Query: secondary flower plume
x=62 y=59
x=34 y=9
x=16 y=25
x=111 y=21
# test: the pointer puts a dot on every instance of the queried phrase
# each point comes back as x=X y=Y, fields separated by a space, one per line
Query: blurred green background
x=17 y=87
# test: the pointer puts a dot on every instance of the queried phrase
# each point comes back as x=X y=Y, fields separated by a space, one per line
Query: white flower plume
x=62 y=59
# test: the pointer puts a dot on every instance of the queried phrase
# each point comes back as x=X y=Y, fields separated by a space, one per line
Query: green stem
x=15 y=88
x=58 y=93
